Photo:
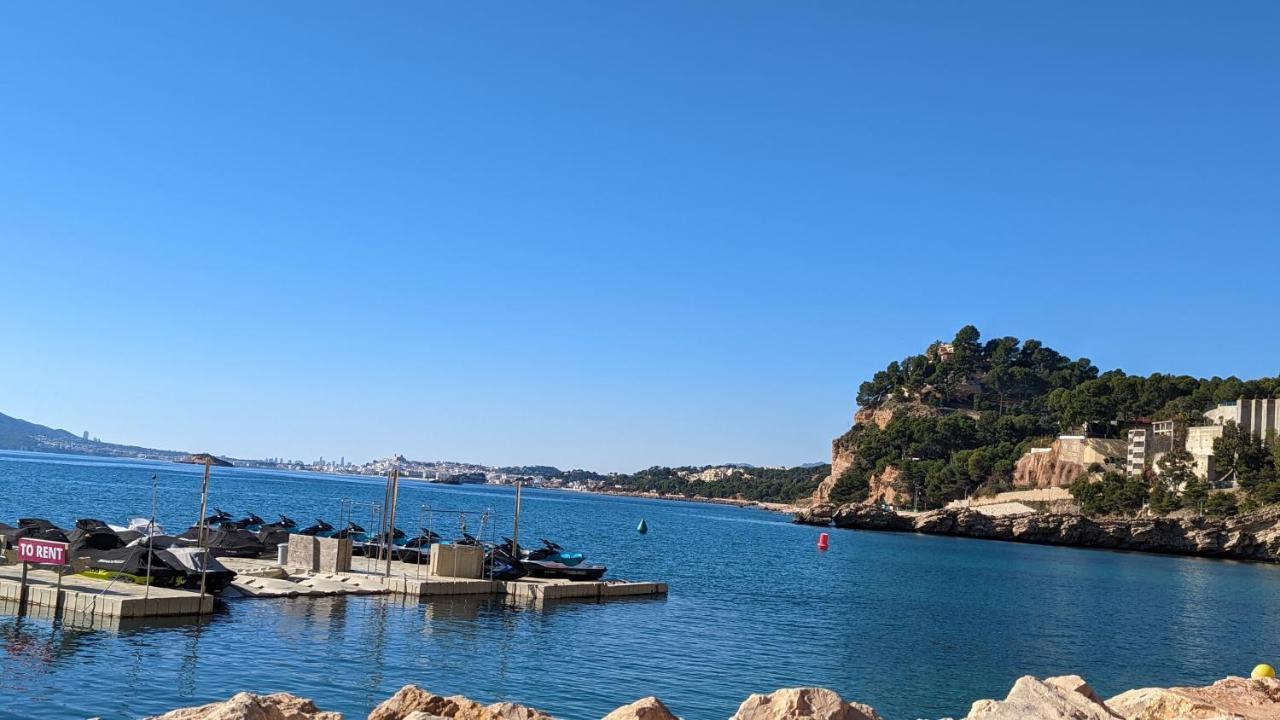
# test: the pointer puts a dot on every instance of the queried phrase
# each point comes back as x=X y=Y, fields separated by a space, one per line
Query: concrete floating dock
x=80 y=595
x=263 y=578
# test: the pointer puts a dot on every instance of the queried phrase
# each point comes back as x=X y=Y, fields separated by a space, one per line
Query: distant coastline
x=761 y=505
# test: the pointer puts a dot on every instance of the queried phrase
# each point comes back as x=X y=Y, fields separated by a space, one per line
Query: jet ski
x=355 y=534
x=37 y=528
x=553 y=561
x=190 y=561
x=95 y=535
x=273 y=535
x=286 y=522
x=377 y=545
x=218 y=517
x=227 y=541
x=500 y=565
x=320 y=528
x=250 y=522
x=418 y=550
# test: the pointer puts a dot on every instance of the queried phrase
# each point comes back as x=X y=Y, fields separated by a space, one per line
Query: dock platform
x=80 y=595
x=263 y=578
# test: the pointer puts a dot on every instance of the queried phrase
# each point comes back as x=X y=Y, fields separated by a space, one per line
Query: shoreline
x=777 y=507
x=1247 y=538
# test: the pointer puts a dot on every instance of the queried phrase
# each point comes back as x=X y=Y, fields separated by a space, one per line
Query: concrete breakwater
x=1057 y=698
x=1253 y=537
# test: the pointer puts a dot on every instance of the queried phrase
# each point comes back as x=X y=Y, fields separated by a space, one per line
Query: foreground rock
x=1230 y=698
x=815 y=703
x=413 y=703
x=247 y=706
x=1247 y=537
x=650 y=708
x=1057 y=698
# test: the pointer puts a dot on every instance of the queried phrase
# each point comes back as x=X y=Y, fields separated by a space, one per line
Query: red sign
x=42 y=552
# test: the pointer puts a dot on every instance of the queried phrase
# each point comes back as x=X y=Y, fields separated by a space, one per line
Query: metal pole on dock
x=204 y=506
x=515 y=525
x=146 y=593
x=391 y=523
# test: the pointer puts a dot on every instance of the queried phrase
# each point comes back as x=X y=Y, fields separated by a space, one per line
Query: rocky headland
x=1254 y=537
x=1057 y=698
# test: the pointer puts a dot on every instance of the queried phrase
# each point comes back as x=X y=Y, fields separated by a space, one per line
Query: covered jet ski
x=137 y=564
x=191 y=560
x=94 y=535
x=37 y=528
x=553 y=561
x=226 y=541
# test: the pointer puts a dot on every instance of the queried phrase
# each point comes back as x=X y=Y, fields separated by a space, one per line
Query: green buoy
x=642 y=528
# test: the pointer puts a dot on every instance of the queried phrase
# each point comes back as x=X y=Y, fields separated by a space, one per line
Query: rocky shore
x=1057 y=698
x=1254 y=537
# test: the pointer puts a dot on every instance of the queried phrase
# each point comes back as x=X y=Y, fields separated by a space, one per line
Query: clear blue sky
x=611 y=235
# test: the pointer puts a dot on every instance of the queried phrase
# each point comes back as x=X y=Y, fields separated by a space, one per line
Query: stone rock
x=411 y=699
x=798 y=703
x=1234 y=698
x=869 y=517
x=814 y=515
x=248 y=706
x=650 y=708
x=1059 y=698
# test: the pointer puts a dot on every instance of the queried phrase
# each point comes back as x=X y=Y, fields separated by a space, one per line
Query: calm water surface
x=915 y=626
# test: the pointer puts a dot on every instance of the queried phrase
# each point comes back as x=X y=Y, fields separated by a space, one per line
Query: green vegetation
x=743 y=483
x=964 y=413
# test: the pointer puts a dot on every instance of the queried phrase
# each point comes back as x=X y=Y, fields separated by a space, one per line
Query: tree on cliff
x=1011 y=394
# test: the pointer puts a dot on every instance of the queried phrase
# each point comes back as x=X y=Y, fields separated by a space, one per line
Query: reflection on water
x=916 y=626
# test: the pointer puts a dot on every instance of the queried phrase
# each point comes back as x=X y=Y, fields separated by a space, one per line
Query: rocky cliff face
x=1250 y=537
x=844 y=450
x=1063 y=461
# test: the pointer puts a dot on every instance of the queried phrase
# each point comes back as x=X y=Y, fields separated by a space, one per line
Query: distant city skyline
x=610 y=237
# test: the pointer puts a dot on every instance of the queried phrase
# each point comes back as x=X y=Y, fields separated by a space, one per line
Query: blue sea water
x=915 y=626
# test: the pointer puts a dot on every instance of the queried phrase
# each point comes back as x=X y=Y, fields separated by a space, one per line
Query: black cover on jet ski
x=234 y=542
x=40 y=529
x=94 y=535
x=132 y=563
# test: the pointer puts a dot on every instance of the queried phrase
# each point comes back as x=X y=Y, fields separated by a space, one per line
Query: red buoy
x=823 y=541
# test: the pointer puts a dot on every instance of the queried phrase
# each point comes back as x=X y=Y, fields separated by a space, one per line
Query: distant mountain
x=18 y=434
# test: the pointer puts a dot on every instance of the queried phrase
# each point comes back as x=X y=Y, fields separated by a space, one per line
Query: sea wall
x=1058 y=698
x=1254 y=537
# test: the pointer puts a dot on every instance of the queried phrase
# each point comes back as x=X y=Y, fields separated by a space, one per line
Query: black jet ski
x=218 y=517
x=226 y=541
x=418 y=550
x=500 y=565
x=250 y=522
x=286 y=522
x=272 y=535
x=376 y=546
x=553 y=561
x=355 y=534
x=320 y=528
